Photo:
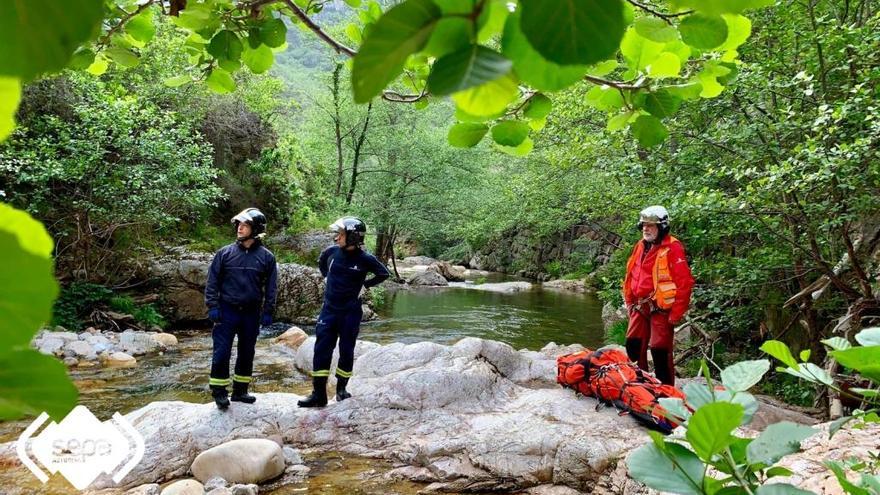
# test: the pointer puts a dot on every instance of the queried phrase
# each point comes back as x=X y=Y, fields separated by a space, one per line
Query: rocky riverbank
x=102 y=348
x=474 y=416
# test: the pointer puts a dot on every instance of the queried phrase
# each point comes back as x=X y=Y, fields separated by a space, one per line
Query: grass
x=617 y=333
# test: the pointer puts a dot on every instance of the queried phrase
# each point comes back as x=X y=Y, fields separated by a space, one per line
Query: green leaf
x=27 y=282
x=709 y=429
x=744 y=375
x=538 y=107
x=229 y=65
x=98 y=67
x=451 y=34
x=689 y=91
x=602 y=68
x=811 y=373
x=781 y=489
x=749 y=404
x=258 y=59
x=463 y=116
x=837 y=343
x=31 y=383
x=664 y=65
x=195 y=17
x=10 y=96
x=489 y=98
x=473 y=66
x=655 y=29
x=273 y=33
x=176 y=81
x=82 y=59
x=778 y=471
x=781 y=352
x=40 y=36
x=777 y=441
x=510 y=132
x=254 y=36
x=530 y=66
x=662 y=103
x=838 y=423
x=869 y=337
x=353 y=3
x=403 y=30
x=141 y=27
x=492 y=19
x=455 y=6
x=703 y=31
x=639 y=52
x=538 y=124
x=805 y=355
x=220 y=82
x=677 y=470
x=739 y=28
x=122 y=56
x=862 y=359
x=604 y=98
x=697 y=395
x=676 y=407
x=523 y=149
x=573 y=32
x=845 y=483
x=225 y=45
x=649 y=131
x=354 y=33
x=466 y=134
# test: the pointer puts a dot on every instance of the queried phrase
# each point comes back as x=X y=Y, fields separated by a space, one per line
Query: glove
x=214 y=315
x=266 y=320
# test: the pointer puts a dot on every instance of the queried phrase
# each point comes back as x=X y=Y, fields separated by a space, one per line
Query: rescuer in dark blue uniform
x=345 y=266
x=240 y=295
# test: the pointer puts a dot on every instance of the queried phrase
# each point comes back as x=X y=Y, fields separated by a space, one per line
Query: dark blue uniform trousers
x=245 y=323
x=332 y=326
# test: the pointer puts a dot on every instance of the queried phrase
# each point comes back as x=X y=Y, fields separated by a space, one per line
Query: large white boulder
x=247 y=460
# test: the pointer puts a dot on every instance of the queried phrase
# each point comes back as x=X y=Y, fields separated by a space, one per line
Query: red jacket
x=639 y=281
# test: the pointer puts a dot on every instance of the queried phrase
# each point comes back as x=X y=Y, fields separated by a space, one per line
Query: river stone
x=612 y=314
x=419 y=260
x=148 y=489
x=292 y=338
x=49 y=345
x=448 y=271
x=244 y=489
x=577 y=286
x=250 y=460
x=215 y=482
x=138 y=343
x=501 y=287
x=64 y=335
x=99 y=343
x=81 y=349
x=120 y=360
x=165 y=339
x=428 y=278
x=70 y=361
x=184 y=487
x=306 y=353
x=291 y=456
x=218 y=491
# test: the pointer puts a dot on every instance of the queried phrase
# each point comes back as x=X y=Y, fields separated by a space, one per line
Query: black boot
x=664 y=367
x=240 y=393
x=220 y=397
x=319 y=394
x=341 y=394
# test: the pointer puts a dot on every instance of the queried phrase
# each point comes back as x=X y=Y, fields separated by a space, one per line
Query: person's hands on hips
x=266 y=320
x=214 y=315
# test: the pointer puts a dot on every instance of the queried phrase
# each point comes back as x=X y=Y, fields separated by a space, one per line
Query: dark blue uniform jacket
x=243 y=277
x=346 y=273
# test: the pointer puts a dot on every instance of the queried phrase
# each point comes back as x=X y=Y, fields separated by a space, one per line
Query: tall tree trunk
x=359 y=144
x=337 y=125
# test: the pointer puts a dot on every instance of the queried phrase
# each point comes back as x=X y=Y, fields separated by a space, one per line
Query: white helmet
x=654 y=214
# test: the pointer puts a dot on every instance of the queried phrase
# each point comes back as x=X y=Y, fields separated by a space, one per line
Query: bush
x=148 y=315
x=76 y=302
x=617 y=333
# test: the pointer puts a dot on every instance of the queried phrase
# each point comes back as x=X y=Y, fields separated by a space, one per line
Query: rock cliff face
x=526 y=254
x=474 y=416
x=181 y=279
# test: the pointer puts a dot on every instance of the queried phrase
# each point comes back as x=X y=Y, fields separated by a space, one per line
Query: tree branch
x=613 y=84
x=337 y=46
x=106 y=38
x=666 y=17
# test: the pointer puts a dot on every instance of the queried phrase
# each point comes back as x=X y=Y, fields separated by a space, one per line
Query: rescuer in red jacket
x=657 y=292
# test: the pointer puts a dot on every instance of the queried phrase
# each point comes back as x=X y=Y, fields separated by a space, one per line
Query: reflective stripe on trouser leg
x=241 y=379
x=342 y=373
x=326 y=334
x=219 y=382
